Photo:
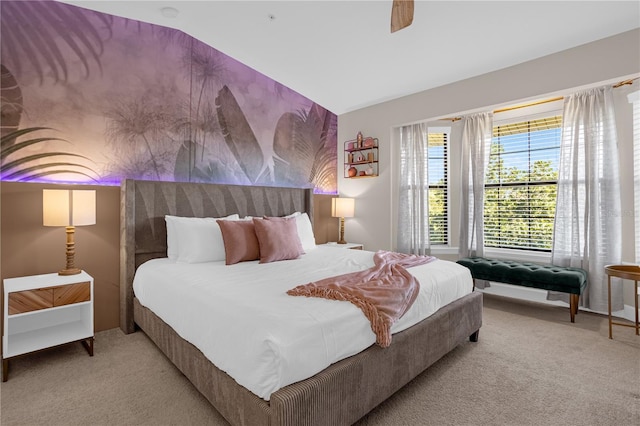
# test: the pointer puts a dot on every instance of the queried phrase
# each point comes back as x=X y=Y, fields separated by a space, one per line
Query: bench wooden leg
x=573 y=305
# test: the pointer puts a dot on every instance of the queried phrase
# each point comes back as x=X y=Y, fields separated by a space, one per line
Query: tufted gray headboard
x=143 y=205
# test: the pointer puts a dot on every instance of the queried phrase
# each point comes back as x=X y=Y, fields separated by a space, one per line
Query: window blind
x=520 y=184
x=437 y=154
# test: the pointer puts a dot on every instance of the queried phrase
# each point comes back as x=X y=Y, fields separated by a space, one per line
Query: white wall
x=605 y=61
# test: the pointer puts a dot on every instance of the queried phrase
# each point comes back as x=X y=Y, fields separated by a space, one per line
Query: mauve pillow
x=240 y=241
x=278 y=239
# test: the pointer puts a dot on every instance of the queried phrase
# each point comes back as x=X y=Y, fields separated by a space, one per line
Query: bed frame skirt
x=339 y=395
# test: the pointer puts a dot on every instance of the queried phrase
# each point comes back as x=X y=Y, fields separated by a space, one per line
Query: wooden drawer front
x=30 y=300
x=72 y=293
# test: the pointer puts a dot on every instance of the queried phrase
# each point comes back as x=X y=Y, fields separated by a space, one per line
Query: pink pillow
x=278 y=239
x=240 y=241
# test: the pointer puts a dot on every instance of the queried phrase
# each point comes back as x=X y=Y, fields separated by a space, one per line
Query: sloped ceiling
x=342 y=55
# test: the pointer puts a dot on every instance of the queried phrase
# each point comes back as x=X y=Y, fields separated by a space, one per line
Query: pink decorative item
x=368 y=143
x=352 y=171
x=362 y=173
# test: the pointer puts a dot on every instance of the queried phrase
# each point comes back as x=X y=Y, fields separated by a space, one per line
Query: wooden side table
x=626 y=272
x=41 y=311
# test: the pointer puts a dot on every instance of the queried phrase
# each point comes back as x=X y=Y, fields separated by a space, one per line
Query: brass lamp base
x=71 y=252
x=342 y=240
x=72 y=271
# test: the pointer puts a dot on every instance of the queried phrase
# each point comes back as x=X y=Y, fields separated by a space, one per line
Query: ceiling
x=342 y=55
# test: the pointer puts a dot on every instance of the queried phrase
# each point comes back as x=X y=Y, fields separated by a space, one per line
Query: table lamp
x=342 y=207
x=69 y=208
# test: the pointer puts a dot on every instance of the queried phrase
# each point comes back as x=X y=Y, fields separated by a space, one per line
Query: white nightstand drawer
x=43 y=298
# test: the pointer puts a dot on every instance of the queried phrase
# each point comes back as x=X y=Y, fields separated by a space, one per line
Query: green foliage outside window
x=520 y=185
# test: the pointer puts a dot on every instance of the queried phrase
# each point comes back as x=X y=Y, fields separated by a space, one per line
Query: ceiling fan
x=401 y=14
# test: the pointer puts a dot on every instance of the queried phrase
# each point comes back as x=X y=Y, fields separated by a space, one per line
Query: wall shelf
x=361 y=158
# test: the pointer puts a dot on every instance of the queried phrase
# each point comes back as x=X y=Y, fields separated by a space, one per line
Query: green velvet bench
x=546 y=277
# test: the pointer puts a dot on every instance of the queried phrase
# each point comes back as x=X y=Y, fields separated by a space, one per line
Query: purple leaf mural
x=162 y=106
x=48 y=36
x=304 y=148
x=29 y=167
x=11 y=106
x=238 y=134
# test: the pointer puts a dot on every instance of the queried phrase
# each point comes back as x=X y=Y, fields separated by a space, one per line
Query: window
x=520 y=183
x=438 y=187
x=423 y=214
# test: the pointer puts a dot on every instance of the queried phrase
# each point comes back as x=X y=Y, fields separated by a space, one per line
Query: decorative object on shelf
x=342 y=207
x=361 y=154
x=69 y=208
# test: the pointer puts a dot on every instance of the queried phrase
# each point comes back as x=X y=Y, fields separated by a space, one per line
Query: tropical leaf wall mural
x=134 y=100
x=25 y=167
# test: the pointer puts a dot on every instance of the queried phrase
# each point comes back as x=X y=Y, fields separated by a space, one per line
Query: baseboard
x=536 y=295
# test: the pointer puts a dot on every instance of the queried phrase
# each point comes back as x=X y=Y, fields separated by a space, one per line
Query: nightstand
x=42 y=311
x=352 y=246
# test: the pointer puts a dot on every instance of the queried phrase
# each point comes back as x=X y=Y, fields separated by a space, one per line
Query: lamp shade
x=68 y=207
x=342 y=207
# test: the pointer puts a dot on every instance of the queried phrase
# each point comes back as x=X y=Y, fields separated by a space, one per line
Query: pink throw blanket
x=383 y=292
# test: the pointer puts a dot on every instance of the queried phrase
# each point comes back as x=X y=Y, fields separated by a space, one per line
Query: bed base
x=339 y=395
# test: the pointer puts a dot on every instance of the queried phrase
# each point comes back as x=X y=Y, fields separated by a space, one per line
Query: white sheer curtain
x=634 y=98
x=413 y=197
x=588 y=227
x=475 y=143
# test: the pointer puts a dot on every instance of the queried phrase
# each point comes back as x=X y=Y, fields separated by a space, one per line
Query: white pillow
x=305 y=231
x=195 y=239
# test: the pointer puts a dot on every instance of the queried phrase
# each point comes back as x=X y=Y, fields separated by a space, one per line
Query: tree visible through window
x=520 y=184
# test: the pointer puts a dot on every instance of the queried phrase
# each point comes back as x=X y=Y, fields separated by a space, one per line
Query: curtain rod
x=615 y=86
x=622 y=83
x=530 y=104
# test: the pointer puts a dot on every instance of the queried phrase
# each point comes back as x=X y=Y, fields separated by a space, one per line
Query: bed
x=340 y=393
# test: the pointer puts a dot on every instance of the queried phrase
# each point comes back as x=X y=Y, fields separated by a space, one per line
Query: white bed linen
x=243 y=321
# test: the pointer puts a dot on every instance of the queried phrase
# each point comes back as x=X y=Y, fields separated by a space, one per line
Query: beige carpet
x=530 y=367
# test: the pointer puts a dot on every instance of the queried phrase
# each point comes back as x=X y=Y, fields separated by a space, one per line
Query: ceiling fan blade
x=401 y=14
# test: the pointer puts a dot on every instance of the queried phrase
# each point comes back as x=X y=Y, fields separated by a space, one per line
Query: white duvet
x=243 y=321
